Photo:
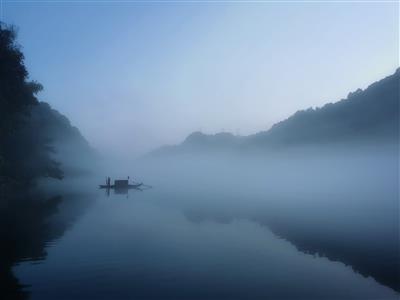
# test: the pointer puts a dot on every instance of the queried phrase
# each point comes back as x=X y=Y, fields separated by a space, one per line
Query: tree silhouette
x=24 y=154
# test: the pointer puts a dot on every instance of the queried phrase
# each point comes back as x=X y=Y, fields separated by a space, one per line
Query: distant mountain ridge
x=364 y=116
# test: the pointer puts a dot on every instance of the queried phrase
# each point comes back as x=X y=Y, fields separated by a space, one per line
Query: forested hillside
x=364 y=117
x=35 y=140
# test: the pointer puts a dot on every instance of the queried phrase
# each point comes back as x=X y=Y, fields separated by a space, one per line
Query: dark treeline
x=30 y=131
x=23 y=155
x=36 y=141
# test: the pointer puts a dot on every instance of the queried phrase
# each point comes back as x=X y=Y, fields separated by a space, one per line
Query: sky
x=135 y=75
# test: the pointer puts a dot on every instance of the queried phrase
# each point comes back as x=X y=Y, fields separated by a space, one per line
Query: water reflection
x=376 y=256
x=121 y=191
x=146 y=247
x=29 y=222
x=204 y=241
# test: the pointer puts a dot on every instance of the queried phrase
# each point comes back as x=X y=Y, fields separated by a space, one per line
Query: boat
x=120 y=184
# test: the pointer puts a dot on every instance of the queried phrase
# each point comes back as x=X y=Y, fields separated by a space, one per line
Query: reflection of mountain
x=375 y=256
x=340 y=204
x=27 y=224
x=371 y=115
x=367 y=253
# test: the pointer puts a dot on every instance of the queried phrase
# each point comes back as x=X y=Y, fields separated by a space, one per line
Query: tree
x=24 y=154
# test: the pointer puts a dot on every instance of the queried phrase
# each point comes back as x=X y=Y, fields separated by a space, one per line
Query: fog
x=290 y=179
x=320 y=219
x=342 y=197
x=335 y=202
x=311 y=204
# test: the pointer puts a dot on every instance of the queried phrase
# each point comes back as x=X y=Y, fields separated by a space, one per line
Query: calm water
x=198 y=242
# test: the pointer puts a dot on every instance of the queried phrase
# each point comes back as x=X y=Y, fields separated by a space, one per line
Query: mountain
x=372 y=114
x=200 y=142
x=47 y=145
x=365 y=116
x=69 y=147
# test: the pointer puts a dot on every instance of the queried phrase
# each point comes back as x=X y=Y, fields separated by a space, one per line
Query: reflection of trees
x=24 y=232
x=375 y=256
x=27 y=223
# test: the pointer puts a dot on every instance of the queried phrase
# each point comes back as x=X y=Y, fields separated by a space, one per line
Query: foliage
x=25 y=154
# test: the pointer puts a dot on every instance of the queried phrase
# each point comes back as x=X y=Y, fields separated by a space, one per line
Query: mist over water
x=321 y=221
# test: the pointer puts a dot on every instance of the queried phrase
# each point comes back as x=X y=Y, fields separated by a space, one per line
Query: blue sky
x=140 y=75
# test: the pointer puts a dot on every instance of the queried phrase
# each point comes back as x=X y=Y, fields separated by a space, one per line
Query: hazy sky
x=133 y=76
